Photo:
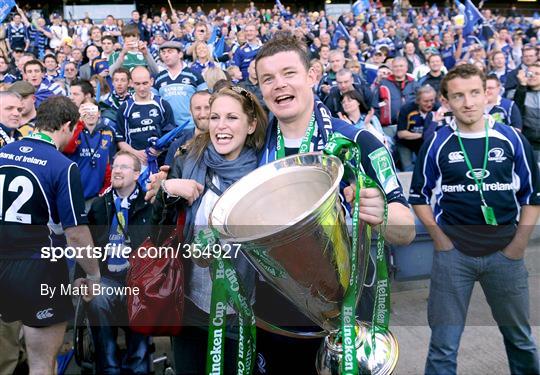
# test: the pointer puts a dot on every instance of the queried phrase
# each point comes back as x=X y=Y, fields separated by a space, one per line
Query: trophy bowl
x=288 y=219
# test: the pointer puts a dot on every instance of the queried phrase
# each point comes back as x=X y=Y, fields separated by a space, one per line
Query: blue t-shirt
x=178 y=91
x=38 y=186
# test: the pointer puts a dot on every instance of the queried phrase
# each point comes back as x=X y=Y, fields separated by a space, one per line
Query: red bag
x=158 y=307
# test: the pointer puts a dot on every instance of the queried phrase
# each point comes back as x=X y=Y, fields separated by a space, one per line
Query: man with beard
x=117 y=219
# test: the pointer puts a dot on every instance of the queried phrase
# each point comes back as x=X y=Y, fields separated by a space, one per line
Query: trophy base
x=382 y=362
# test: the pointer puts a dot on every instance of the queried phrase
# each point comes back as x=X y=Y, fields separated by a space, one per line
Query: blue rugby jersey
x=244 y=55
x=410 y=118
x=38 y=186
x=178 y=91
x=448 y=56
x=506 y=112
x=137 y=122
x=17 y=35
x=38 y=40
x=511 y=180
x=93 y=153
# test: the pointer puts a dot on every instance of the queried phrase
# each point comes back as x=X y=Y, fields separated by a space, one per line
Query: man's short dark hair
x=54 y=112
x=433 y=55
x=34 y=62
x=122 y=70
x=50 y=57
x=86 y=87
x=200 y=92
x=109 y=37
x=284 y=41
x=461 y=71
x=493 y=77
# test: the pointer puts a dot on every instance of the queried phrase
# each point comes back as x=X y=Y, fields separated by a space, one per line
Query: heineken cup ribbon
x=227 y=290
x=349 y=153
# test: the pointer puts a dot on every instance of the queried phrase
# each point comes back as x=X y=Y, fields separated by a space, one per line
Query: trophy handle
x=263 y=324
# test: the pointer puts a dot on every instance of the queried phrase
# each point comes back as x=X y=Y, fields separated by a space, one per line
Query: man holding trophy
x=287 y=216
x=301 y=123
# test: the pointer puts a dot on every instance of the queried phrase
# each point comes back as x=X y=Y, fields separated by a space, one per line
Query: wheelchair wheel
x=82 y=340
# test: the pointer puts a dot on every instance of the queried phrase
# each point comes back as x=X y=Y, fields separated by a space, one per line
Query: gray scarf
x=228 y=172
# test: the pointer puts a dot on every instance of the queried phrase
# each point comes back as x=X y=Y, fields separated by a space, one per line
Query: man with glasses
x=118 y=220
x=529 y=56
x=503 y=110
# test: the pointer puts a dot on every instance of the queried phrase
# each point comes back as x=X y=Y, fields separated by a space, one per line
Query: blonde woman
x=202 y=57
x=212 y=75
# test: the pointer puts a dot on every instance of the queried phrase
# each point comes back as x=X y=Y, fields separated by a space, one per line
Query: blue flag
x=369 y=71
x=360 y=6
x=214 y=35
x=160 y=144
x=281 y=8
x=5 y=8
x=471 y=14
x=341 y=31
x=219 y=47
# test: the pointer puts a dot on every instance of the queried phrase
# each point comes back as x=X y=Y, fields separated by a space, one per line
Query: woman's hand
x=155 y=183
x=190 y=190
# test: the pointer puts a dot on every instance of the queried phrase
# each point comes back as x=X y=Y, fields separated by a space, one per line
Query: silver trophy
x=289 y=221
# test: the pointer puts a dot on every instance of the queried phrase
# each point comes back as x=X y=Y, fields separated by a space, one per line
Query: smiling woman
x=212 y=162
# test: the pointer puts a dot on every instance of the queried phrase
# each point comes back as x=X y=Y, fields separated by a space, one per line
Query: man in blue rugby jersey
x=178 y=82
x=488 y=195
x=40 y=192
x=142 y=117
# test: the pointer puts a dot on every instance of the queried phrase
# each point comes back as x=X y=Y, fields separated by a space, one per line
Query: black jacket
x=101 y=215
x=333 y=100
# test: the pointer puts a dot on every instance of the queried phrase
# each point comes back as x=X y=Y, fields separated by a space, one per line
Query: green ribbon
x=304 y=145
x=348 y=152
x=227 y=289
x=42 y=136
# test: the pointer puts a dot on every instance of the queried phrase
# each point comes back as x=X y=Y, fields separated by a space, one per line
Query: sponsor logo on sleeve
x=382 y=164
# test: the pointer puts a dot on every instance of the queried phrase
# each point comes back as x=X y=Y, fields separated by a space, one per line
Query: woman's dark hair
x=250 y=106
x=355 y=95
x=54 y=112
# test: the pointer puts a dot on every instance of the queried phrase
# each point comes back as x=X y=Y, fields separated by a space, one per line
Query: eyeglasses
x=122 y=167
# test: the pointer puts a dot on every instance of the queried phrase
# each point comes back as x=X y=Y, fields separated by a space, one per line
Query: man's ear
x=312 y=77
x=66 y=127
